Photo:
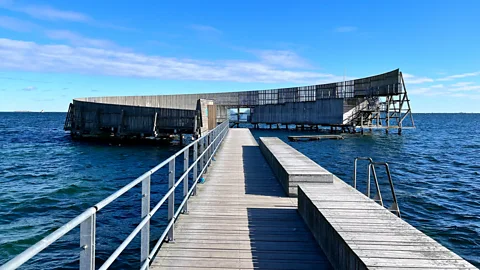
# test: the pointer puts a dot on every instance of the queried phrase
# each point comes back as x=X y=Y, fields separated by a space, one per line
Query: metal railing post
x=87 y=243
x=355 y=174
x=145 y=233
x=210 y=148
x=204 y=156
x=185 y=180
x=171 y=198
x=195 y=168
x=368 y=179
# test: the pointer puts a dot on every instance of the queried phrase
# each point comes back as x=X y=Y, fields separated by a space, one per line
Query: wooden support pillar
x=120 y=124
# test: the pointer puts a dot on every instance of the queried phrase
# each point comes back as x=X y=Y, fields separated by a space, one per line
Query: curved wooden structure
x=378 y=101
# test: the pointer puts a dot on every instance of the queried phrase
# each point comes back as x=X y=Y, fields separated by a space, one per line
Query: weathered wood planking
x=241 y=218
x=96 y=118
x=357 y=233
x=290 y=166
x=315 y=137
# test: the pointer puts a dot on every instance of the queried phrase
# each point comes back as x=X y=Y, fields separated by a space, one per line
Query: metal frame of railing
x=394 y=208
x=204 y=149
x=378 y=195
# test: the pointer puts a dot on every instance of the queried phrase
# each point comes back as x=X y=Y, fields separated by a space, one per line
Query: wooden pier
x=315 y=137
x=241 y=218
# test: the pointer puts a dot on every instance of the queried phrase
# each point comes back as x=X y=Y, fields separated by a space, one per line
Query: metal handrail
x=394 y=208
x=209 y=144
x=371 y=168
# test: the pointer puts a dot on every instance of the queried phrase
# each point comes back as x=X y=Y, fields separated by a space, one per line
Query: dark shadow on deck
x=259 y=178
x=279 y=239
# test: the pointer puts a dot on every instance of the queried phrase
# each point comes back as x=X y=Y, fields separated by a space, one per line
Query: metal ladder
x=378 y=196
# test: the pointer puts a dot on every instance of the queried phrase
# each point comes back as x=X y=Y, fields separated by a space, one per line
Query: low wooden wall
x=290 y=166
x=99 y=118
x=356 y=233
x=324 y=111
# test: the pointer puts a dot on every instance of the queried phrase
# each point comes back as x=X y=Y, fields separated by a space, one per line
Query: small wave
x=68 y=190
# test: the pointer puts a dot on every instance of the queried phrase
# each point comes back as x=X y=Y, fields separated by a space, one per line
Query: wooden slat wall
x=94 y=117
x=212 y=116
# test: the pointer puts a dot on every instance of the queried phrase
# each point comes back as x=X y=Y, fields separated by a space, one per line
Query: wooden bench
x=357 y=233
x=290 y=166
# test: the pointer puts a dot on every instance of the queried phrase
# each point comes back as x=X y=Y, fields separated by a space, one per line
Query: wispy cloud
x=79 y=40
x=205 y=28
x=49 y=13
x=462 y=84
x=45 y=12
x=282 y=58
x=345 y=29
x=412 y=79
x=468 y=87
x=14 y=24
x=30 y=56
x=30 y=88
x=459 y=76
x=460 y=89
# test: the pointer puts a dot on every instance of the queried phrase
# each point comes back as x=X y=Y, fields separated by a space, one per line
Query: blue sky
x=53 y=51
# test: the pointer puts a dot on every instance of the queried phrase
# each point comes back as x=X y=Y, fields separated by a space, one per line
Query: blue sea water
x=46 y=179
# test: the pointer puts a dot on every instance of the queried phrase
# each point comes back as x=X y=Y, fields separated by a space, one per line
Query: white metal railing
x=204 y=149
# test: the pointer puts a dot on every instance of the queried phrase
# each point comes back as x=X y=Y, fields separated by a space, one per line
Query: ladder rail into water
x=208 y=144
x=394 y=208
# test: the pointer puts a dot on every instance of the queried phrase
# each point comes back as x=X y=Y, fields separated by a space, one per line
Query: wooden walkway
x=241 y=218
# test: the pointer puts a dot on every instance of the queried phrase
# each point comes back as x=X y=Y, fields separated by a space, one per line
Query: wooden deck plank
x=241 y=218
x=368 y=233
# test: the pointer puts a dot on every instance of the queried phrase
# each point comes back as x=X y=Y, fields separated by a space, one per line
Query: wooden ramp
x=241 y=218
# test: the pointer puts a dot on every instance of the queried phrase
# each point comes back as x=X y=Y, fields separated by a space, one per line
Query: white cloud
x=205 y=28
x=30 y=88
x=345 y=29
x=411 y=79
x=282 y=58
x=79 y=40
x=453 y=90
x=46 y=12
x=465 y=88
x=461 y=84
x=459 y=76
x=30 y=56
x=50 y=13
